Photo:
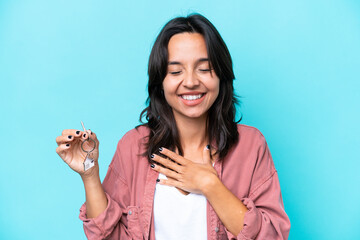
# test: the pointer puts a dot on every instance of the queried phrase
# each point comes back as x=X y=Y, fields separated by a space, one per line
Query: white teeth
x=191 y=97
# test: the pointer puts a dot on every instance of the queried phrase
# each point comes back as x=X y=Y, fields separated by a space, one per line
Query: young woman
x=190 y=172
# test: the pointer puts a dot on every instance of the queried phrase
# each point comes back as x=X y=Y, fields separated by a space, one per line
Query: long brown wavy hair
x=221 y=123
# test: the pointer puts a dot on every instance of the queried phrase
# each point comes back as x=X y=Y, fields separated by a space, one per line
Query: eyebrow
x=179 y=63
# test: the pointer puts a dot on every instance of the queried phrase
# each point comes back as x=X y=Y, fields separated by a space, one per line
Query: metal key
x=88 y=162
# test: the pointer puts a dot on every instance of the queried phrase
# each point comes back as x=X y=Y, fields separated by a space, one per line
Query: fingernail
x=84 y=135
x=160 y=149
x=69 y=137
x=152 y=165
x=77 y=132
x=90 y=131
x=157 y=180
x=208 y=147
x=152 y=156
x=67 y=145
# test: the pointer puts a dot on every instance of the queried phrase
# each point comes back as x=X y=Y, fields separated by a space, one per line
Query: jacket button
x=216 y=229
x=130 y=212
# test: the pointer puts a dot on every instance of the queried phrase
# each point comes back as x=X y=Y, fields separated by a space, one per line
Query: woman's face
x=190 y=86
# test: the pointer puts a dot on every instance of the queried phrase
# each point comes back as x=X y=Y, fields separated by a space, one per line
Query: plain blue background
x=297 y=69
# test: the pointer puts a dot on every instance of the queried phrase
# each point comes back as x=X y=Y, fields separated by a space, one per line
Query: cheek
x=167 y=98
x=171 y=84
x=214 y=87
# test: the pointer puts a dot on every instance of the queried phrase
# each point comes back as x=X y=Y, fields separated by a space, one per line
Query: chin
x=195 y=115
x=192 y=114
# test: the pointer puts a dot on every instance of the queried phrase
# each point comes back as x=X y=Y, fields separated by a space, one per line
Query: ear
x=207 y=155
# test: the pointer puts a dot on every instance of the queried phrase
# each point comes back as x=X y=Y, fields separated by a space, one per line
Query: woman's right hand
x=69 y=149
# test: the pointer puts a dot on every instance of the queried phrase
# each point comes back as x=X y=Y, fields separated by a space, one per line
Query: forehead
x=187 y=47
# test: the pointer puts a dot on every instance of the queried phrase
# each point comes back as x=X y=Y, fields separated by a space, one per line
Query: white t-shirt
x=178 y=216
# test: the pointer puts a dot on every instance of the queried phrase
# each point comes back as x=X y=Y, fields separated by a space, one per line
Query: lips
x=192 y=99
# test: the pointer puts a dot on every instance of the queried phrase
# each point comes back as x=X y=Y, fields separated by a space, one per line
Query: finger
x=62 y=148
x=73 y=132
x=166 y=172
x=84 y=135
x=64 y=139
x=207 y=155
x=171 y=183
x=87 y=136
x=93 y=136
x=167 y=163
x=176 y=157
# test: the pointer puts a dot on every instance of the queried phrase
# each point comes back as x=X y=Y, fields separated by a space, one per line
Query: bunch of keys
x=88 y=162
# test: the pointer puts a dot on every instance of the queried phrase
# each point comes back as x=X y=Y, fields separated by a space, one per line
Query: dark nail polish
x=157 y=180
x=69 y=137
x=77 y=132
x=67 y=145
x=160 y=149
x=152 y=165
x=208 y=147
x=84 y=135
x=152 y=156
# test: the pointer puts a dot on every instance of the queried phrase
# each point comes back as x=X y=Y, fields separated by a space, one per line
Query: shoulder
x=253 y=144
x=129 y=152
x=135 y=135
x=137 y=132
x=249 y=162
x=250 y=134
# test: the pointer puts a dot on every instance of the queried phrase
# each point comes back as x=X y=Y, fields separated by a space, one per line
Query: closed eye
x=175 y=73
x=205 y=70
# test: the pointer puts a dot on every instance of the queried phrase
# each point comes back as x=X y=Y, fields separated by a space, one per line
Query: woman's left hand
x=184 y=173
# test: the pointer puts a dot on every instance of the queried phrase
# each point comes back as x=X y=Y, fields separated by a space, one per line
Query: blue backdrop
x=297 y=69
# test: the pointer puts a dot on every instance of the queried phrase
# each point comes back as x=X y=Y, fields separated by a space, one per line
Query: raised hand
x=69 y=149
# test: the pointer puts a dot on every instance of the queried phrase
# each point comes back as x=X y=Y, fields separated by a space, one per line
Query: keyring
x=88 y=162
x=86 y=140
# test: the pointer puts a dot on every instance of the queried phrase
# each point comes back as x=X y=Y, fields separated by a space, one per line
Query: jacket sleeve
x=109 y=224
x=266 y=217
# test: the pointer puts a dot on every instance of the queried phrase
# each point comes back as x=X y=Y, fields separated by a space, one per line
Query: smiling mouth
x=192 y=97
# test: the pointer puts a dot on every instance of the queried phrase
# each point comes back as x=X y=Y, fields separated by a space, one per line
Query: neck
x=192 y=133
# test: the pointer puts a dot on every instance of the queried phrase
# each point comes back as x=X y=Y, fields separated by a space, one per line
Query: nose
x=191 y=80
